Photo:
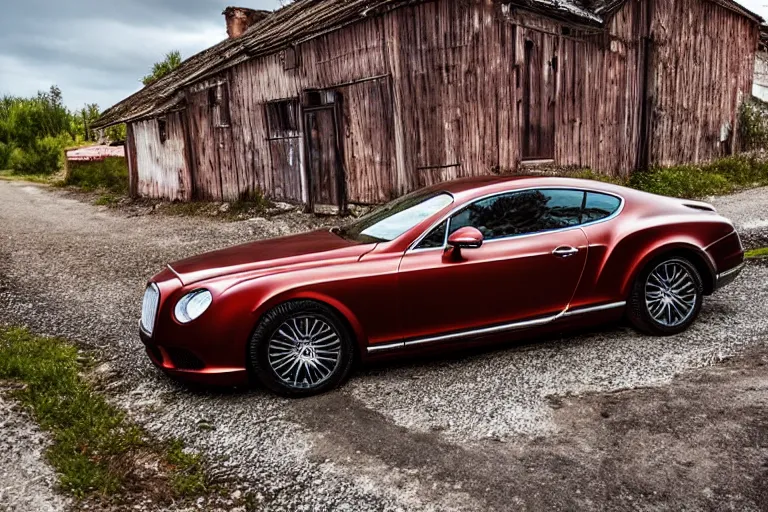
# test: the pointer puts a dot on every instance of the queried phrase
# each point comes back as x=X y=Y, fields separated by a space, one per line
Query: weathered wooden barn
x=331 y=102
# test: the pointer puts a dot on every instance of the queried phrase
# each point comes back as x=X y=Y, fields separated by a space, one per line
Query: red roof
x=94 y=153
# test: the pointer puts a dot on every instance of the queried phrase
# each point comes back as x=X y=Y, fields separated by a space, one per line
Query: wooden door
x=539 y=89
x=324 y=170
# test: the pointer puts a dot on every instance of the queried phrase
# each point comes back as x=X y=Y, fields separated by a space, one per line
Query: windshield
x=395 y=218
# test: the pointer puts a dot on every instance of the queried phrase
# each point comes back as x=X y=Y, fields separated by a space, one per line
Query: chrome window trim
x=412 y=247
x=428 y=231
x=471 y=333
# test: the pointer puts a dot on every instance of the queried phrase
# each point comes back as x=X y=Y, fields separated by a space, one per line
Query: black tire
x=641 y=315
x=266 y=341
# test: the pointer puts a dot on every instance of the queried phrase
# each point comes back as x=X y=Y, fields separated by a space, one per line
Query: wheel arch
x=697 y=256
x=344 y=313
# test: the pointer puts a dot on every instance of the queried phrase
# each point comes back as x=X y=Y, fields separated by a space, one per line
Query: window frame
x=284 y=133
x=218 y=100
x=449 y=215
x=447 y=223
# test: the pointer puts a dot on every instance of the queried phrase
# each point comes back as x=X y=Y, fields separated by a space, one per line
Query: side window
x=522 y=213
x=435 y=238
x=599 y=206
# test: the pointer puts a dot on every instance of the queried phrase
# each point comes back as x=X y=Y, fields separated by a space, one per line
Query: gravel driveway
x=450 y=434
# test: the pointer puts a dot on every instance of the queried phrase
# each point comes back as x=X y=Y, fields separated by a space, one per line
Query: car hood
x=307 y=248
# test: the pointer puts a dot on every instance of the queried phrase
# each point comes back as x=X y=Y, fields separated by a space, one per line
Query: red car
x=453 y=265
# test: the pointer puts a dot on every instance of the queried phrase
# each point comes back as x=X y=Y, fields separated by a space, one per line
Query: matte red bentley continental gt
x=460 y=263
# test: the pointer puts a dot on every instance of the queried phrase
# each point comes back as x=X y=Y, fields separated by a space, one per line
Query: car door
x=528 y=267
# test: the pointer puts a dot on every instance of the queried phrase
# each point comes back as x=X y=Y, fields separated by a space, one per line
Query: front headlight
x=192 y=305
x=149 y=308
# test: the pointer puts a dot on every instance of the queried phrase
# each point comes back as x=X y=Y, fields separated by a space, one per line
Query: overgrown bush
x=589 y=174
x=753 y=124
x=110 y=174
x=5 y=155
x=693 y=181
x=43 y=156
x=681 y=181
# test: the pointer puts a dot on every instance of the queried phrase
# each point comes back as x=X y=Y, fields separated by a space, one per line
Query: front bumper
x=185 y=365
x=729 y=276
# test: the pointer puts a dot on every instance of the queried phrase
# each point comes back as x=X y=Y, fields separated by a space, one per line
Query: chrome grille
x=149 y=308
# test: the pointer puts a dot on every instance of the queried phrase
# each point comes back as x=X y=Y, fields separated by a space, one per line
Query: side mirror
x=466 y=238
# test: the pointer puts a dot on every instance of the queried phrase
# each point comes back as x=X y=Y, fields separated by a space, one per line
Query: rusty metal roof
x=306 y=19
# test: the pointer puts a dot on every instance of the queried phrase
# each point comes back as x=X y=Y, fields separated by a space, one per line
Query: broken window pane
x=283 y=118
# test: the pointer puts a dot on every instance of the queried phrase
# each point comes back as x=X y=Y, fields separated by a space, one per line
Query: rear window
x=599 y=206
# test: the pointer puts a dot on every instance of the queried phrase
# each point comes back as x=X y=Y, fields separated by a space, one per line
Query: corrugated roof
x=306 y=19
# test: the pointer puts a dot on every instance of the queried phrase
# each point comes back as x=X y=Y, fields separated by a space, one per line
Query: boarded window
x=290 y=58
x=283 y=118
x=218 y=98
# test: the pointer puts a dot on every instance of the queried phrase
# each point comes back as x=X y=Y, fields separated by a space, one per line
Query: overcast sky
x=97 y=52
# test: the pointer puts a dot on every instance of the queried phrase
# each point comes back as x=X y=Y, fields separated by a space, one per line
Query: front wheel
x=301 y=348
x=666 y=297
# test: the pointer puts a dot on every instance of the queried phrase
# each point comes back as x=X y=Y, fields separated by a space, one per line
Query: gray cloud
x=97 y=53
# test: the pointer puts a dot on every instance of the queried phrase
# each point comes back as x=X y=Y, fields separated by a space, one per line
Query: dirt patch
x=27 y=482
x=700 y=443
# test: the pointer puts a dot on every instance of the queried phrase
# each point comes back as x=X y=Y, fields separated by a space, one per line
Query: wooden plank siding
x=703 y=66
x=435 y=90
x=161 y=166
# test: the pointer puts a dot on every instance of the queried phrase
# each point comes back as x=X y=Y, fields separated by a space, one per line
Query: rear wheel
x=666 y=297
x=301 y=348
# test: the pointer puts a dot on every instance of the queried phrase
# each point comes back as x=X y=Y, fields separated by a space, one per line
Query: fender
x=354 y=323
x=679 y=246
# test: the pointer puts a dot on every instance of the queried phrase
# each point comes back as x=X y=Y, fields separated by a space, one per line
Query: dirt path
x=474 y=432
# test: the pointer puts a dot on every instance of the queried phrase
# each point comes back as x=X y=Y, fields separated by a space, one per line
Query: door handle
x=565 y=252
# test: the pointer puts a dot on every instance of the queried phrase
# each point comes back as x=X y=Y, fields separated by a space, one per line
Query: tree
x=160 y=69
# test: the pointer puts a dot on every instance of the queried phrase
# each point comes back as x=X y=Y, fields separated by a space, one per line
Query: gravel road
x=446 y=434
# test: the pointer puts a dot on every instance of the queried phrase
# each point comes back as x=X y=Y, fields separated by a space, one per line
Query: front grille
x=183 y=359
x=149 y=308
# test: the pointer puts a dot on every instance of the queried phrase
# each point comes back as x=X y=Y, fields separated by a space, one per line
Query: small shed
x=332 y=102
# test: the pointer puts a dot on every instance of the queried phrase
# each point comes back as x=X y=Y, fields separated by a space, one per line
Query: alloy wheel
x=304 y=351
x=670 y=294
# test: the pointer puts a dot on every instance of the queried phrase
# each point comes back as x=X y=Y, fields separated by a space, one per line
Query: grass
x=107 y=200
x=95 y=448
x=719 y=177
x=757 y=253
x=9 y=175
x=110 y=174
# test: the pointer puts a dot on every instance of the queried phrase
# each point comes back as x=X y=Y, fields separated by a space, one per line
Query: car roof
x=477 y=186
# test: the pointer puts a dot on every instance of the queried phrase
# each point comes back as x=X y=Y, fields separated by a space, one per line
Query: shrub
x=589 y=174
x=44 y=156
x=681 y=181
x=692 y=181
x=5 y=155
x=753 y=124
x=110 y=173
